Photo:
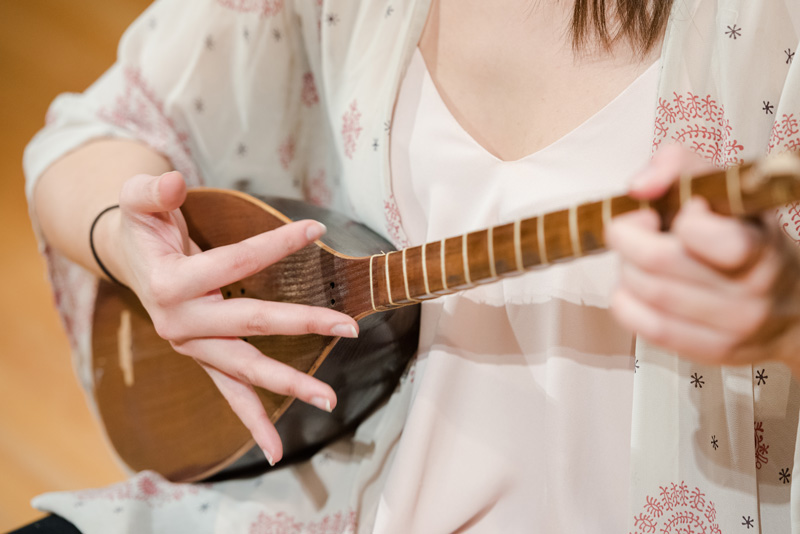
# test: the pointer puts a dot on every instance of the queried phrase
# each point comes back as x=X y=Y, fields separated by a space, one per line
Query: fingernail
x=344 y=330
x=321 y=403
x=161 y=176
x=315 y=231
x=269 y=457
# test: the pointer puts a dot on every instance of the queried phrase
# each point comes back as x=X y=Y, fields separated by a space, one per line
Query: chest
x=509 y=74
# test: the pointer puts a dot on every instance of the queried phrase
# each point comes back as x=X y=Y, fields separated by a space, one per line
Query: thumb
x=153 y=194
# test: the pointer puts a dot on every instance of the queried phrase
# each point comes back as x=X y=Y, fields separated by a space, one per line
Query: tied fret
x=456 y=263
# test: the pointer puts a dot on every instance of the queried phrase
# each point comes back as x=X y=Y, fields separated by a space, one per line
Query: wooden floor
x=48 y=439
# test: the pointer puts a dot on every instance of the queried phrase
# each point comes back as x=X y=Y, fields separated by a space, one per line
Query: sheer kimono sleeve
x=216 y=86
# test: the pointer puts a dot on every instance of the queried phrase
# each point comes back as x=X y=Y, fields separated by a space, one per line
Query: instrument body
x=161 y=411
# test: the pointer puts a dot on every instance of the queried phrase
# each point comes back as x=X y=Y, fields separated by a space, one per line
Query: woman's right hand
x=145 y=244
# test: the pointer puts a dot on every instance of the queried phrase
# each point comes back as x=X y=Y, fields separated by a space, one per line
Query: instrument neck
x=453 y=264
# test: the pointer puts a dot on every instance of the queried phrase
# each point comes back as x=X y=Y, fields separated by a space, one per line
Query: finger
x=697 y=342
x=145 y=194
x=646 y=218
x=666 y=166
x=245 y=403
x=731 y=313
x=657 y=252
x=252 y=317
x=248 y=365
x=218 y=267
x=724 y=243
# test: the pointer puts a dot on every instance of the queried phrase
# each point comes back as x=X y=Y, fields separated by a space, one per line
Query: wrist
x=103 y=240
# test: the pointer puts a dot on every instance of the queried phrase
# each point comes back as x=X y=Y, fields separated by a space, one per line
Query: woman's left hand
x=715 y=289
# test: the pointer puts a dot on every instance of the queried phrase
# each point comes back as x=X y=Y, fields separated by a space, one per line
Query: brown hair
x=640 y=22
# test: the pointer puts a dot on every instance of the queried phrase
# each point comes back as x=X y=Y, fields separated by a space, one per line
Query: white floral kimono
x=296 y=99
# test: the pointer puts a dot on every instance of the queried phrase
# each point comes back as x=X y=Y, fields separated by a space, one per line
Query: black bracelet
x=94 y=252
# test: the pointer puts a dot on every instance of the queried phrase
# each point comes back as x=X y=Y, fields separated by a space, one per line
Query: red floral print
x=138 y=110
x=281 y=523
x=351 y=129
x=147 y=487
x=265 y=8
x=393 y=222
x=784 y=135
x=309 y=94
x=789 y=220
x=677 y=510
x=762 y=449
x=316 y=190
x=338 y=523
x=286 y=152
x=700 y=124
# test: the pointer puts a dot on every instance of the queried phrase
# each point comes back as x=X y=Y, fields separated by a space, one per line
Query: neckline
x=428 y=80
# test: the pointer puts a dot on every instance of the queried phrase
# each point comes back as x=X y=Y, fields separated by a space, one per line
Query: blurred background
x=49 y=440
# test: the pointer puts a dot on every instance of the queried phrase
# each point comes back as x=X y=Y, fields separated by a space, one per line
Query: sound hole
x=229 y=293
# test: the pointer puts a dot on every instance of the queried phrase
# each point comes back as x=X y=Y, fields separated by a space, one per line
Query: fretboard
x=442 y=267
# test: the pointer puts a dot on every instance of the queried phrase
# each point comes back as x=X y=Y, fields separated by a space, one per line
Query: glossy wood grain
x=163 y=413
x=48 y=438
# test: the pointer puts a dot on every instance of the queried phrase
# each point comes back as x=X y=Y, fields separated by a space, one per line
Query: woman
x=521 y=412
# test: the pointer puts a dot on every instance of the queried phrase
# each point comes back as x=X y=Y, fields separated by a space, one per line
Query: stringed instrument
x=161 y=411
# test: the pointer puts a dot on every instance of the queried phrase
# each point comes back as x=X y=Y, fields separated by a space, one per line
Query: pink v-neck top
x=521 y=411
